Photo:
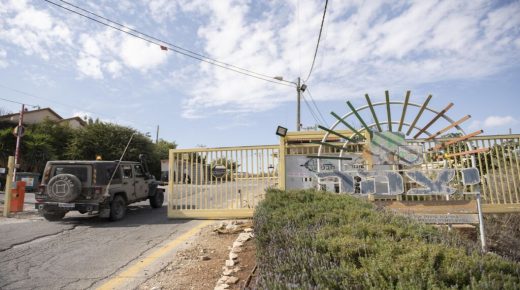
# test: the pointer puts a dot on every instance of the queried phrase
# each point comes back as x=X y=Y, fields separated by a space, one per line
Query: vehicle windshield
x=80 y=171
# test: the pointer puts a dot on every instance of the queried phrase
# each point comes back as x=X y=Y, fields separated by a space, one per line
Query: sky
x=464 y=52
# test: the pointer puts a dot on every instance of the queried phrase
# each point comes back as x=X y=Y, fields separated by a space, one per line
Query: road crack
x=38 y=238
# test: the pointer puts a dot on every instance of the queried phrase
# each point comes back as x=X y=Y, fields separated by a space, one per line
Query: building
x=40 y=115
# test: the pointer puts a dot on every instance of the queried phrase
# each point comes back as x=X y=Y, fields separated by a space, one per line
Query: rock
x=232 y=256
x=248 y=230
x=236 y=250
x=243 y=237
x=236 y=269
x=232 y=280
x=222 y=287
x=227 y=272
x=230 y=263
x=222 y=280
x=204 y=258
x=237 y=244
x=160 y=288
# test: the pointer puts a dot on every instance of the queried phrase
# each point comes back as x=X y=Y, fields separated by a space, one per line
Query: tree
x=161 y=151
x=4 y=111
x=108 y=141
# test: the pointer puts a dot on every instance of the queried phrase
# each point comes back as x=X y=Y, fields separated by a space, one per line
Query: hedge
x=319 y=240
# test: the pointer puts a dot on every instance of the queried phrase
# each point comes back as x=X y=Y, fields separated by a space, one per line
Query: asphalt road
x=84 y=252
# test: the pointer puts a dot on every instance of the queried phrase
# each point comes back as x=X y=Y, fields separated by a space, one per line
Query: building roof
x=83 y=123
x=48 y=112
x=32 y=112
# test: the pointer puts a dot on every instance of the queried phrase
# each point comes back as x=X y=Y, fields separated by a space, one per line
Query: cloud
x=90 y=66
x=365 y=47
x=140 y=55
x=34 y=30
x=115 y=68
x=499 y=121
x=3 y=58
x=45 y=33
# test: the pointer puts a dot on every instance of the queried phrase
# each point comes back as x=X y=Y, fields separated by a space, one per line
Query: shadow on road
x=136 y=215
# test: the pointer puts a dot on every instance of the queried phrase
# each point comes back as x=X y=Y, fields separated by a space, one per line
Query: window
x=127 y=171
x=104 y=172
x=139 y=172
x=81 y=172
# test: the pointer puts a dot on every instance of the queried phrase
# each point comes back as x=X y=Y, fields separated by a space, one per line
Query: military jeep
x=102 y=187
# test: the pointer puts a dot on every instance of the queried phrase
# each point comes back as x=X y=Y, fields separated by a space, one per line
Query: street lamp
x=281 y=131
x=299 y=89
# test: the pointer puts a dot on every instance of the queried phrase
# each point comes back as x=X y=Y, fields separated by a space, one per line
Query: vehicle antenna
x=117 y=166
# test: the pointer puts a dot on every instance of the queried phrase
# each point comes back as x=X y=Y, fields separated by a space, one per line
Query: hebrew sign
x=391 y=182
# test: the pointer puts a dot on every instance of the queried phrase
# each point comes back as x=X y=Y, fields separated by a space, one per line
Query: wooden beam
x=406 y=100
x=335 y=133
x=456 y=140
x=440 y=114
x=452 y=125
x=347 y=124
x=423 y=107
x=328 y=157
x=469 y=152
x=358 y=116
x=373 y=112
x=388 y=111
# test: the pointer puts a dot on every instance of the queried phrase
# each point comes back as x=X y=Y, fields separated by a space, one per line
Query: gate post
x=8 y=183
x=171 y=172
x=281 y=164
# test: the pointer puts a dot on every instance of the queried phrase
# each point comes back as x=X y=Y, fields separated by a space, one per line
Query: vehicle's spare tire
x=64 y=187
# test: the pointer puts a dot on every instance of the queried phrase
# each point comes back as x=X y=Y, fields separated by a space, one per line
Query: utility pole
x=18 y=140
x=298 y=92
x=157 y=135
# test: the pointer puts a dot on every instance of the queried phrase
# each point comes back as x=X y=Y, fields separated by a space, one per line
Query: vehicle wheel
x=64 y=188
x=117 y=208
x=82 y=211
x=157 y=200
x=54 y=216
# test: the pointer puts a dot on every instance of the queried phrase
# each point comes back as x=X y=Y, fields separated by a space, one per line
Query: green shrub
x=317 y=240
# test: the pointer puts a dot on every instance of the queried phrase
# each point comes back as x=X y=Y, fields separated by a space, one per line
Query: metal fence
x=230 y=182
x=220 y=182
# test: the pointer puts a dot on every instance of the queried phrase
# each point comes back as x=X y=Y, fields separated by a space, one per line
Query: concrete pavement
x=85 y=252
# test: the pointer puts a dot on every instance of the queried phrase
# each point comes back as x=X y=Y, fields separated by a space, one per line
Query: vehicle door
x=141 y=183
x=128 y=181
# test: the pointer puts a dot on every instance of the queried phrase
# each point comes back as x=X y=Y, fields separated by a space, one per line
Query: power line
x=19 y=103
x=318 y=43
x=165 y=42
x=316 y=106
x=310 y=110
x=162 y=43
x=48 y=100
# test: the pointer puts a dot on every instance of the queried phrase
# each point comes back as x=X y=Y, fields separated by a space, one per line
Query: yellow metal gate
x=220 y=182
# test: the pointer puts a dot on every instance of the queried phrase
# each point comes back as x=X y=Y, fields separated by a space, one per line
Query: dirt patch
x=201 y=265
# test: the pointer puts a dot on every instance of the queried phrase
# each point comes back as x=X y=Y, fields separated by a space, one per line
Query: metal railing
x=220 y=182
x=230 y=182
